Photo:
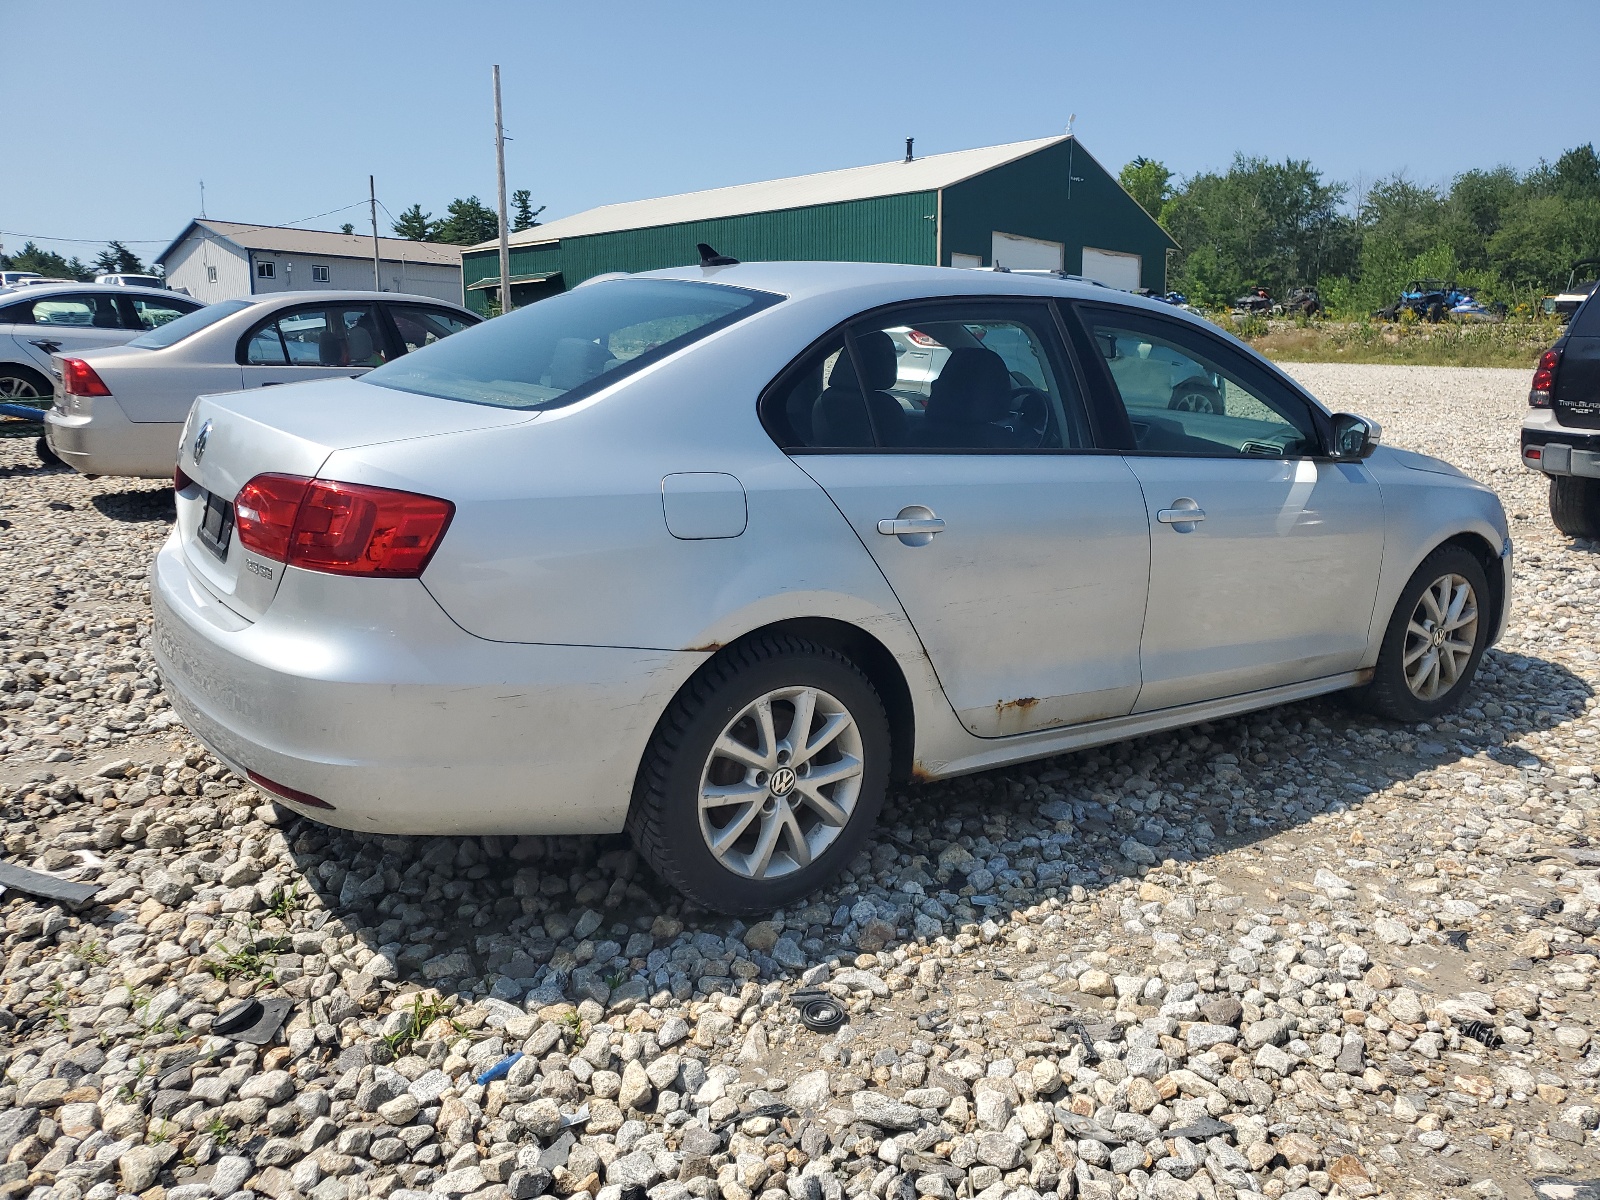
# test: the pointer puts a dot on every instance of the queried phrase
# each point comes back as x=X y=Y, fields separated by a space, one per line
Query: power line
x=44 y=237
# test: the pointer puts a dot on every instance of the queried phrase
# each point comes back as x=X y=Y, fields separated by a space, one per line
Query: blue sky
x=284 y=108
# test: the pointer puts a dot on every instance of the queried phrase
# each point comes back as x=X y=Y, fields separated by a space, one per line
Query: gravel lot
x=1297 y=954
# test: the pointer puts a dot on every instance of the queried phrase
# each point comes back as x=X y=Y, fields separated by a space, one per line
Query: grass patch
x=1449 y=344
x=424 y=1012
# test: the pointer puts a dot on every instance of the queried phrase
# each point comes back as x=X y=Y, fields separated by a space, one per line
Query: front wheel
x=1575 y=506
x=763 y=777
x=1435 y=639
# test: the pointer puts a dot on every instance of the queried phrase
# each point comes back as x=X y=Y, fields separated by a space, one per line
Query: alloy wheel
x=18 y=387
x=781 y=782
x=1440 y=636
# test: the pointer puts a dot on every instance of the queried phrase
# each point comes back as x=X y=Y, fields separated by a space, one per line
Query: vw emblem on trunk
x=200 y=441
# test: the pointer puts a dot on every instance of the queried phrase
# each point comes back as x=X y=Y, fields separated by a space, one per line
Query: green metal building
x=1044 y=203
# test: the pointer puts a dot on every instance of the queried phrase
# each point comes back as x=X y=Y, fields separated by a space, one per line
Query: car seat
x=575 y=362
x=840 y=418
x=970 y=397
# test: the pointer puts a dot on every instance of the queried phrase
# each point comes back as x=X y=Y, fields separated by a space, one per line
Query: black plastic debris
x=1483 y=1033
x=46 y=887
x=1456 y=938
x=776 y=1111
x=819 y=1011
x=1208 y=1127
x=1566 y=1189
x=254 y=1022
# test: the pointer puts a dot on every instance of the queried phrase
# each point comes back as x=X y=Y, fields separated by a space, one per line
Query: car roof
x=310 y=294
x=110 y=289
x=807 y=280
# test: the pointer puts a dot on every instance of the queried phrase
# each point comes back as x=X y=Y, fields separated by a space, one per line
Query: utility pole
x=505 y=225
x=372 y=198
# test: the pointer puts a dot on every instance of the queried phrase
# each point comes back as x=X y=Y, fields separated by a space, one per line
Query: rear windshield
x=559 y=350
x=174 y=332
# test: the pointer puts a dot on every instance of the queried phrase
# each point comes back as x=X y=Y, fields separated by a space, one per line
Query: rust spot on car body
x=708 y=648
x=921 y=774
x=1020 y=705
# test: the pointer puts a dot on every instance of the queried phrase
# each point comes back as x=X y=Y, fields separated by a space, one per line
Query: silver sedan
x=696 y=554
x=118 y=411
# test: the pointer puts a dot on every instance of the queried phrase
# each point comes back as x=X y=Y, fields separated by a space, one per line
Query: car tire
x=46 y=455
x=1575 y=506
x=24 y=385
x=1403 y=687
x=713 y=853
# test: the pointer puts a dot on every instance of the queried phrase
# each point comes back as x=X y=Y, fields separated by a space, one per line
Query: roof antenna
x=909 y=141
x=710 y=258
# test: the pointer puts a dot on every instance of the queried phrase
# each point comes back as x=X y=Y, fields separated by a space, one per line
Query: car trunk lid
x=229 y=439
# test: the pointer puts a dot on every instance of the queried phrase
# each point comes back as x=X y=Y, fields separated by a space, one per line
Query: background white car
x=42 y=319
x=119 y=411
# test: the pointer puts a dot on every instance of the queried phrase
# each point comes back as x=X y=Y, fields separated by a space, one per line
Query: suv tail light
x=78 y=378
x=1544 y=378
x=340 y=528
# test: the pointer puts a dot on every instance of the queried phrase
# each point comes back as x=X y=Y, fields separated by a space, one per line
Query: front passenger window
x=1183 y=397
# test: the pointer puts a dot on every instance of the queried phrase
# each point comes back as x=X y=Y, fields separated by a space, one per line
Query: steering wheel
x=1030 y=412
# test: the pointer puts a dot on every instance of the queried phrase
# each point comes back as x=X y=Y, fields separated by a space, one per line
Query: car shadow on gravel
x=154 y=504
x=540 y=920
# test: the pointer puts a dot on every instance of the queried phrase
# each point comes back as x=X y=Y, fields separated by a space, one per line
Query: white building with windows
x=223 y=260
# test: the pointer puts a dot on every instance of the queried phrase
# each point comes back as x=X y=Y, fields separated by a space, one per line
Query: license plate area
x=216 y=525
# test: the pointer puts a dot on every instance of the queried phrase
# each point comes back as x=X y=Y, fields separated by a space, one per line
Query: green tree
x=1149 y=182
x=526 y=216
x=47 y=262
x=415 y=224
x=347 y=228
x=467 y=222
x=117 y=258
x=1277 y=225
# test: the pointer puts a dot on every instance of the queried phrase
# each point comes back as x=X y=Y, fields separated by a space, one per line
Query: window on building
x=266 y=270
x=319 y=274
x=211 y=274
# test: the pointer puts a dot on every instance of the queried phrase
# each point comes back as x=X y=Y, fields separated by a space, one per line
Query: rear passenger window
x=83 y=312
x=796 y=414
x=959 y=376
x=1586 y=321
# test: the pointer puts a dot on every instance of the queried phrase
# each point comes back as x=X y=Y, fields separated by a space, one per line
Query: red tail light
x=78 y=378
x=340 y=528
x=1544 y=378
x=264 y=512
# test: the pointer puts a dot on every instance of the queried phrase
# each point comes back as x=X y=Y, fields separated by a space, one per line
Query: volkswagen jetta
x=701 y=555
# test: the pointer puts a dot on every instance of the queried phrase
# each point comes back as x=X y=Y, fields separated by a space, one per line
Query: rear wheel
x=1435 y=639
x=46 y=455
x=764 y=776
x=1575 y=506
x=23 y=385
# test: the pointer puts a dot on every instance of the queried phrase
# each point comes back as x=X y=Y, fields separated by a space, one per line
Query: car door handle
x=914 y=525
x=1183 y=512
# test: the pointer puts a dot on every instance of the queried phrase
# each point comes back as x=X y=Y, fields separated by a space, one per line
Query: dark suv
x=1561 y=436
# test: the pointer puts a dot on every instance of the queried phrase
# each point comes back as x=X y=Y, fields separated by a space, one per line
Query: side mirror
x=1354 y=437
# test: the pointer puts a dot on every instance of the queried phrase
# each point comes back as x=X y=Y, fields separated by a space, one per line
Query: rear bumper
x=1556 y=449
x=362 y=693
x=102 y=441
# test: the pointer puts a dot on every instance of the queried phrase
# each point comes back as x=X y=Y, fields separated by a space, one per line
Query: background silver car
x=665 y=553
x=119 y=412
x=40 y=320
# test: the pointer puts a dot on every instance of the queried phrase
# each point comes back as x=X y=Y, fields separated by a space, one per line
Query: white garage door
x=1025 y=253
x=1112 y=268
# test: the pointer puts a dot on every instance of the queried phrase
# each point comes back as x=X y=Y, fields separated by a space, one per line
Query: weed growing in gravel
x=424 y=1012
x=219 y=1131
x=248 y=960
x=285 y=901
x=574 y=1025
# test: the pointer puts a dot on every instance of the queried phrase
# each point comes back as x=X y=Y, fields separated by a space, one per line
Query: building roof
x=317 y=241
x=799 y=191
